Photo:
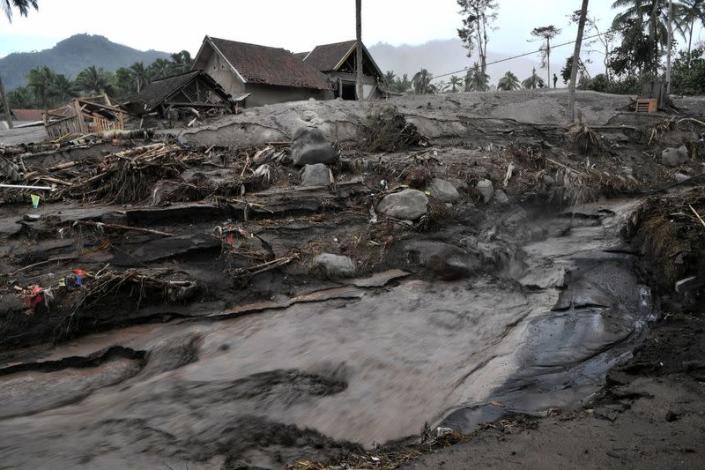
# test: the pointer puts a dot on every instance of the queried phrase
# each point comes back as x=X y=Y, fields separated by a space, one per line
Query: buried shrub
x=386 y=130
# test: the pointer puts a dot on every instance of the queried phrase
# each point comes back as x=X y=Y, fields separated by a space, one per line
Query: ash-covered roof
x=270 y=66
x=160 y=90
x=327 y=57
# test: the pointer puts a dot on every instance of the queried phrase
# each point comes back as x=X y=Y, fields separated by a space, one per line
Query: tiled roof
x=270 y=66
x=326 y=57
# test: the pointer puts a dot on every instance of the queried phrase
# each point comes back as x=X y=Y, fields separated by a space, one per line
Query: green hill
x=72 y=55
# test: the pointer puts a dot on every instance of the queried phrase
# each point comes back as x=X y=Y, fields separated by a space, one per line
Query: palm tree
x=509 y=82
x=41 y=80
x=159 y=69
x=422 y=82
x=389 y=79
x=403 y=84
x=140 y=75
x=651 y=15
x=547 y=33
x=181 y=62
x=62 y=88
x=476 y=79
x=692 y=12
x=455 y=83
x=94 y=81
x=22 y=5
x=533 y=82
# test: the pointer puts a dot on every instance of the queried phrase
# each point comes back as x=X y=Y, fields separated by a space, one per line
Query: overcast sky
x=171 y=25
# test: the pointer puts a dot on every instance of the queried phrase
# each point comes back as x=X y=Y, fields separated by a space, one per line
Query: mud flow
x=210 y=332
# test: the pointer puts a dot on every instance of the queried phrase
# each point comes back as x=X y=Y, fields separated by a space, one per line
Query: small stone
x=316 y=175
x=501 y=197
x=409 y=204
x=548 y=180
x=310 y=146
x=681 y=178
x=335 y=266
x=674 y=157
x=486 y=189
x=443 y=190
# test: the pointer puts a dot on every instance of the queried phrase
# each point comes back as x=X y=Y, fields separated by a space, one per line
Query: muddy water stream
x=366 y=370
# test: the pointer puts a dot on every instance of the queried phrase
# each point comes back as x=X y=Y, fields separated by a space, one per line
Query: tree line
x=631 y=52
x=47 y=89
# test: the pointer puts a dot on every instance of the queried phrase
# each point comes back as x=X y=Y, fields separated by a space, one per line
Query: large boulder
x=409 y=204
x=674 y=157
x=334 y=266
x=486 y=189
x=316 y=175
x=443 y=190
x=444 y=260
x=310 y=146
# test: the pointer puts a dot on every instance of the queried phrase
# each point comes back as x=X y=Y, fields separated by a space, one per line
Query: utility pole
x=5 y=105
x=358 y=81
x=576 y=58
x=670 y=47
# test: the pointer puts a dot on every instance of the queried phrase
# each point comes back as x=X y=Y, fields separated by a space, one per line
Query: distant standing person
x=555 y=80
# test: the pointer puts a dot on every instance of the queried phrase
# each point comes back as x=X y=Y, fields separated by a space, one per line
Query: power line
x=507 y=59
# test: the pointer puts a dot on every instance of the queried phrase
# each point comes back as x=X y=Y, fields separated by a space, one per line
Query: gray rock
x=680 y=177
x=486 y=188
x=673 y=157
x=501 y=197
x=446 y=261
x=316 y=175
x=443 y=190
x=310 y=146
x=409 y=204
x=548 y=180
x=335 y=266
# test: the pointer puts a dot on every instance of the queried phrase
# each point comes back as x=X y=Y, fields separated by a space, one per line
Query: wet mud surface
x=205 y=336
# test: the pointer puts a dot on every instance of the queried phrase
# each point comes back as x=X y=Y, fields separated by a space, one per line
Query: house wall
x=369 y=83
x=267 y=94
x=221 y=72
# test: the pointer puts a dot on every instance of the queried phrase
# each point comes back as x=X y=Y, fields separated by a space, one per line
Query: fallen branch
x=125 y=227
x=33 y=188
x=42 y=263
x=697 y=215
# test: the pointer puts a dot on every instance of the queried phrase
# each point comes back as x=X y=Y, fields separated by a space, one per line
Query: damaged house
x=260 y=75
x=338 y=62
x=193 y=93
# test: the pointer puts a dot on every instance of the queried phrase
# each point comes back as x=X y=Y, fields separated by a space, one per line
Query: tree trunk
x=359 y=64
x=652 y=36
x=576 y=58
x=670 y=42
x=548 y=61
x=690 y=40
x=6 y=105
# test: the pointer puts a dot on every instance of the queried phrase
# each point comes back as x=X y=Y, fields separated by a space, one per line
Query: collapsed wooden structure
x=84 y=115
x=194 y=92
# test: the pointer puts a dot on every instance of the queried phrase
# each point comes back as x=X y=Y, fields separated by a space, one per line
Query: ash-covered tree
x=533 y=82
x=602 y=41
x=94 y=81
x=476 y=79
x=692 y=15
x=422 y=82
x=478 y=16
x=509 y=82
x=41 y=80
x=546 y=34
x=455 y=83
x=140 y=75
x=181 y=62
x=568 y=68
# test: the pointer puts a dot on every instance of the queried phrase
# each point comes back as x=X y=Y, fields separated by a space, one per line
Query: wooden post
x=670 y=48
x=358 y=16
x=6 y=105
x=576 y=59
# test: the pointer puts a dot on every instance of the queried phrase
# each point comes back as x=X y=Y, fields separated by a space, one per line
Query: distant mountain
x=448 y=55
x=72 y=55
